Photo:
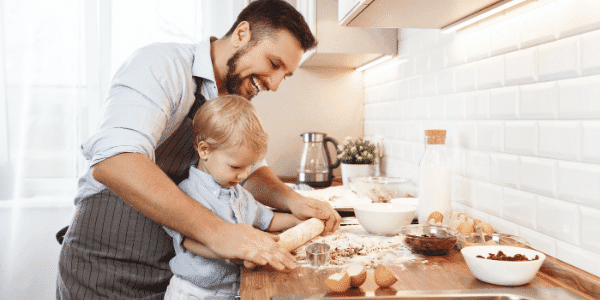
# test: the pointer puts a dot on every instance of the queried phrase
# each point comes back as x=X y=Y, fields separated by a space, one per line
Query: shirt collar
x=202 y=66
x=209 y=182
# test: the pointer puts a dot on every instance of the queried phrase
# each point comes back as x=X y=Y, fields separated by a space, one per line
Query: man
x=115 y=246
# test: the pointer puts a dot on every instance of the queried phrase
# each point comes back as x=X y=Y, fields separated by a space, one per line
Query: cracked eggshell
x=357 y=274
x=384 y=277
x=338 y=282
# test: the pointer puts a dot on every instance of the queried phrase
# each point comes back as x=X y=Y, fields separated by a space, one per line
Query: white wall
x=317 y=99
x=519 y=95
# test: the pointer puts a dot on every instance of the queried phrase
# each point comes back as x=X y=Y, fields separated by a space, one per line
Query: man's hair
x=267 y=17
x=230 y=121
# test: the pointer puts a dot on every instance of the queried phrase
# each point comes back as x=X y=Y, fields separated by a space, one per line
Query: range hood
x=341 y=46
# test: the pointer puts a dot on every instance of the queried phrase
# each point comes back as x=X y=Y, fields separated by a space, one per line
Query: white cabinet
x=341 y=46
x=407 y=13
x=348 y=9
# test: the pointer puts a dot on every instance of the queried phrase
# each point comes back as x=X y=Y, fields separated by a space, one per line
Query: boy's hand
x=242 y=241
x=305 y=208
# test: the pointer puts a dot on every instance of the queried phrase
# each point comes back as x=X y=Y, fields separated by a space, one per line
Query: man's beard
x=233 y=81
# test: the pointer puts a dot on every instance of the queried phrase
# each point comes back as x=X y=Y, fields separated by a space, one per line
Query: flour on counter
x=353 y=243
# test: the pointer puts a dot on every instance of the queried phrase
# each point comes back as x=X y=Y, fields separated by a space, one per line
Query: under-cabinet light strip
x=494 y=9
x=374 y=62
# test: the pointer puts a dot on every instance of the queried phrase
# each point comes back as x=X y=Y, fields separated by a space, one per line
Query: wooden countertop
x=448 y=272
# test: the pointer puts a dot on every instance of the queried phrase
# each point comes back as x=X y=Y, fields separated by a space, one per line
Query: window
x=56 y=62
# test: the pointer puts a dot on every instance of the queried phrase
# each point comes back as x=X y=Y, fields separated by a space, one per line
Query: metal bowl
x=381 y=189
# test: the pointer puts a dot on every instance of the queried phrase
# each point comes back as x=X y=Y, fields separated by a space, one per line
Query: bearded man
x=115 y=246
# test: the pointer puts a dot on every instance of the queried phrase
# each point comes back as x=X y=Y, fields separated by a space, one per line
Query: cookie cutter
x=317 y=254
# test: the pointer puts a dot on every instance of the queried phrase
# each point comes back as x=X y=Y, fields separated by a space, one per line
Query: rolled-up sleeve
x=143 y=96
x=264 y=215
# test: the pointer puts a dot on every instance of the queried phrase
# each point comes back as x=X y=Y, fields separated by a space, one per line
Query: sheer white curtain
x=56 y=62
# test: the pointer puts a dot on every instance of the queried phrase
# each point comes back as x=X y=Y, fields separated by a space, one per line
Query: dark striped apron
x=110 y=250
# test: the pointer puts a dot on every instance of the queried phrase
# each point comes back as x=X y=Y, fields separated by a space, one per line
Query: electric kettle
x=315 y=168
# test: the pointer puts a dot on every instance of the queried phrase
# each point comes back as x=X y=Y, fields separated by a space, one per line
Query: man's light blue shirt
x=149 y=99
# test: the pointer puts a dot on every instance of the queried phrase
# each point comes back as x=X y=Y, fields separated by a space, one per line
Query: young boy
x=228 y=138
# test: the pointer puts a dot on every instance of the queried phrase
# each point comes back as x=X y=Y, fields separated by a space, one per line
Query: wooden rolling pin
x=297 y=236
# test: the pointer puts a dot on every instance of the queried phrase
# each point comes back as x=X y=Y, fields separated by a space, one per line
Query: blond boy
x=228 y=139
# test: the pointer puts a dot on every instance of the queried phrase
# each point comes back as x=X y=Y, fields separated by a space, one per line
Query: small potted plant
x=358 y=157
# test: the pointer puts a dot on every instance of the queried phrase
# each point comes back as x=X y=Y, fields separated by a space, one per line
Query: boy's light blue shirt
x=234 y=205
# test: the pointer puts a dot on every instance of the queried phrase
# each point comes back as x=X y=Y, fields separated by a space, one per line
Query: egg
x=465 y=228
x=384 y=276
x=487 y=227
x=357 y=274
x=436 y=216
x=338 y=282
x=454 y=224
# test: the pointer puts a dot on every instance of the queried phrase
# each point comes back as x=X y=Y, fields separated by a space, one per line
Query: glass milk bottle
x=434 y=176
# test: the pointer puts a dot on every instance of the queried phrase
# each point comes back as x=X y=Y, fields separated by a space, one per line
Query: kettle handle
x=337 y=160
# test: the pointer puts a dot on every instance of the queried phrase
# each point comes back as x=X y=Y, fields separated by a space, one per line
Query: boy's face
x=227 y=166
x=263 y=66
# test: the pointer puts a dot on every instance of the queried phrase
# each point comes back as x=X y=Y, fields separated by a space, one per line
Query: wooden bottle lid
x=435 y=133
x=435 y=136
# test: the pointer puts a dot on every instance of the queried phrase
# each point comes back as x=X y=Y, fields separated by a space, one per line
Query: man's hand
x=242 y=241
x=304 y=208
x=269 y=190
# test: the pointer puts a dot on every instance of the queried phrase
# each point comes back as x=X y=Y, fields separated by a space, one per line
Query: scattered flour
x=353 y=243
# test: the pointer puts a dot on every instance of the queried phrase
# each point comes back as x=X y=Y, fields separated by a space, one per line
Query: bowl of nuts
x=430 y=240
x=503 y=265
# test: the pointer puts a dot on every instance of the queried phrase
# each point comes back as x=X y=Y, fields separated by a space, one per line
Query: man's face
x=263 y=66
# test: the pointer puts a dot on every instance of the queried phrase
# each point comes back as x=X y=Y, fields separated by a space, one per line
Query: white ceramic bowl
x=384 y=218
x=410 y=201
x=509 y=273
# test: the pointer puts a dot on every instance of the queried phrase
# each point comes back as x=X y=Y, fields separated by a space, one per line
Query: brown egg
x=487 y=227
x=357 y=274
x=465 y=228
x=454 y=224
x=384 y=277
x=338 y=282
x=436 y=216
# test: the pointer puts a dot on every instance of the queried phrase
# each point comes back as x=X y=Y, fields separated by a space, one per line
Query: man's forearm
x=145 y=187
x=268 y=189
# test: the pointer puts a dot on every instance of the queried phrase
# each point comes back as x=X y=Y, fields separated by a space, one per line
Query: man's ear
x=241 y=35
x=203 y=150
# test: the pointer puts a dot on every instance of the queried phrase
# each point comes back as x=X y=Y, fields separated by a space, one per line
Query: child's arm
x=283 y=221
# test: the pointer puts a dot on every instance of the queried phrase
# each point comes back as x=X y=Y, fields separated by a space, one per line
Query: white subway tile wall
x=519 y=96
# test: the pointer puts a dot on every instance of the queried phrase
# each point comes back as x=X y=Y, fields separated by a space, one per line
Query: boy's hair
x=267 y=17
x=230 y=121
